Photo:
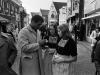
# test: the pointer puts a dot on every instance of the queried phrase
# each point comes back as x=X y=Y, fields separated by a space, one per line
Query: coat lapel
x=29 y=28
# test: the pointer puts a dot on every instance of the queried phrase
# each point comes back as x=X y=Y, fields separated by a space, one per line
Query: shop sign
x=93 y=4
x=69 y=7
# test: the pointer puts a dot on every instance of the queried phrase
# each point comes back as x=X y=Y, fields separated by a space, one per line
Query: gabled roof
x=44 y=11
x=34 y=13
x=59 y=5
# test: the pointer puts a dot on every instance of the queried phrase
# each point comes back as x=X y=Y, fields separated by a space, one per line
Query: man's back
x=8 y=54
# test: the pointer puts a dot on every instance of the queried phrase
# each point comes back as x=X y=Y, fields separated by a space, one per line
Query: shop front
x=91 y=22
x=91 y=16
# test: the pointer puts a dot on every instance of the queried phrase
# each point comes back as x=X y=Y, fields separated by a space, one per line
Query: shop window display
x=91 y=25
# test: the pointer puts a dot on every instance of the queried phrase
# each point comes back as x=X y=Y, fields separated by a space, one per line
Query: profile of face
x=36 y=25
x=52 y=30
x=59 y=33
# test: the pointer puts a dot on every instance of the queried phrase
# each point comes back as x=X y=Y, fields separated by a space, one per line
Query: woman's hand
x=58 y=60
x=52 y=50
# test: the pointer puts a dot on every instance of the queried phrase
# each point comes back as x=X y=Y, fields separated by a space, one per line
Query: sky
x=35 y=5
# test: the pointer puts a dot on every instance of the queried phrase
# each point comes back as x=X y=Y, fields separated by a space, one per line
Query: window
x=75 y=4
x=1 y=2
x=7 y=5
x=15 y=9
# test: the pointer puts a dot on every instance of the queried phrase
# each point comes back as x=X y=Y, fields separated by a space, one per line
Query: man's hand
x=42 y=42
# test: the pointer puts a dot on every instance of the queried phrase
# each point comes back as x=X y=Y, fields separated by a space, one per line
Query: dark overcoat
x=8 y=53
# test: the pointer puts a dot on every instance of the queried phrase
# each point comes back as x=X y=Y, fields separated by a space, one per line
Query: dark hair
x=37 y=18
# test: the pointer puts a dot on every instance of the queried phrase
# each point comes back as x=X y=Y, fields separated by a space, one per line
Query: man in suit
x=29 y=45
x=8 y=53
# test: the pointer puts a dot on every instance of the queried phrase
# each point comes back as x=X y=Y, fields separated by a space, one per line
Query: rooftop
x=59 y=5
x=44 y=11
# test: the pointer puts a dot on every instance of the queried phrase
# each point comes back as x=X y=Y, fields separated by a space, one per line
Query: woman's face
x=59 y=33
x=52 y=31
x=8 y=28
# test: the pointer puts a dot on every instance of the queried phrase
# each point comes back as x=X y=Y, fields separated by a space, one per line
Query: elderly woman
x=66 y=53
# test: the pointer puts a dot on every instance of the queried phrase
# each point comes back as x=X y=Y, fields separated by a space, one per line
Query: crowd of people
x=45 y=50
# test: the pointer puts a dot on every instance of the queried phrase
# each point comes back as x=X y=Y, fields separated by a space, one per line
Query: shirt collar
x=32 y=30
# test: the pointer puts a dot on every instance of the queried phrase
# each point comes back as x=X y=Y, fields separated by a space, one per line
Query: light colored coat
x=31 y=54
x=93 y=36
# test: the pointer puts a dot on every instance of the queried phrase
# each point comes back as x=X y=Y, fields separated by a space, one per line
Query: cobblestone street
x=83 y=66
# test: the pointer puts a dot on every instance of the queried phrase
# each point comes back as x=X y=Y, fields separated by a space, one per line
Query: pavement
x=83 y=65
x=86 y=44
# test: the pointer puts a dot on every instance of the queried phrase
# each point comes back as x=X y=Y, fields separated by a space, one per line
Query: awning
x=92 y=16
x=3 y=19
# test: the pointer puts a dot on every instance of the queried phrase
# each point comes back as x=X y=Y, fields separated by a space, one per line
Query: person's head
x=53 y=29
x=10 y=27
x=36 y=21
x=63 y=30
